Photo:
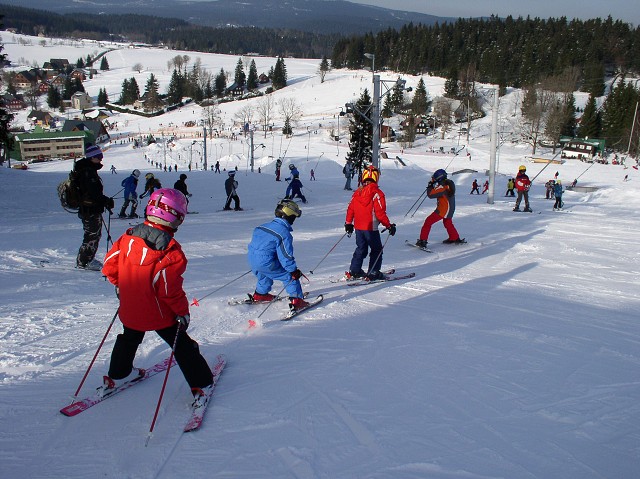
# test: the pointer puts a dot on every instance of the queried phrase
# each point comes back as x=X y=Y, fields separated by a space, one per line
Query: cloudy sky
x=626 y=10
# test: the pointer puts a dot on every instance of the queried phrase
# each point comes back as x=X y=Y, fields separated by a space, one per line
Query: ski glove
x=392 y=229
x=184 y=321
x=348 y=228
x=296 y=274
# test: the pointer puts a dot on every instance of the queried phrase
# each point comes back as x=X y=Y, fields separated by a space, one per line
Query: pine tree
x=176 y=89
x=124 y=91
x=152 y=102
x=286 y=129
x=220 y=83
x=361 y=133
x=451 y=85
x=103 y=98
x=104 y=64
x=6 y=139
x=240 y=78
x=324 y=68
x=590 y=122
x=420 y=102
x=252 y=79
x=279 y=76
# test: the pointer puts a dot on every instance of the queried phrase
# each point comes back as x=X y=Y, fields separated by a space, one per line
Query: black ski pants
x=92 y=226
x=192 y=364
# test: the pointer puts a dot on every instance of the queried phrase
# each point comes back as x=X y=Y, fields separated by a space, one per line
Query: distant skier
x=475 y=187
x=522 y=185
x=230 y=187
x=485 y=187
x=347 y=171
x=130 y=184
x=511 y=184
x=295 y=174
x=557 y=191
x=151 y=185
x=181 y=186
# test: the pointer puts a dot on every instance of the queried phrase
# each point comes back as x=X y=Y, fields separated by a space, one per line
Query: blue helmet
x=440 y=175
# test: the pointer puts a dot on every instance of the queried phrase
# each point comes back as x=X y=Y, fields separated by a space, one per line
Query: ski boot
x=109 y=384
x=296 y=304
x=200 y=396
x=262 y=298
x=421 y=243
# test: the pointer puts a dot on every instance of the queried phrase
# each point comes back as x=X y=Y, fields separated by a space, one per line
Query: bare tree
x=211 y=117
x=265 y=109
x=137 y=67
x=442 y=110
x=290 y=110
x=32 y=95
x=535 y=106
x=245 y=114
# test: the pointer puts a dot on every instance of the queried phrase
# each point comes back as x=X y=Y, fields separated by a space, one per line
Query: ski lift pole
x=196 y=302
x=93 y=360
x=586 y=170
x=328 y=253
x=544 y=168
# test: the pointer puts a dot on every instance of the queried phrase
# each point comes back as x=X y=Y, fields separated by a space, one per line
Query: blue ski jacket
x=271 y=247
x=130 y=183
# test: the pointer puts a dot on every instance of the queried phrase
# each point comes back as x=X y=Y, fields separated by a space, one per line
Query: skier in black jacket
x=92 y=204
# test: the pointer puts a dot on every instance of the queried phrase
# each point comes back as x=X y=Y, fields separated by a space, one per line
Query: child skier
x=366 y=210
x=475 y=188
x=557 y=191
x=146 y=265
x=522 y=185
x=444 y=190
x=271 y=256
x=130 y=184
x=151 y=185
x=230 y=187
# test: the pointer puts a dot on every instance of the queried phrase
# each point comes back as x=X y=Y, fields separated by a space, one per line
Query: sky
x=513 y=356
x=626 y=10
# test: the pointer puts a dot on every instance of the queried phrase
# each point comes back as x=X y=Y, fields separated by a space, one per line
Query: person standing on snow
x=510 y=186
x=271 y=256
x=278 y=165
x=474 y=187
x=295 y=175
x=522 y=185
x=146 y=265
x=181 y=186
x=485 y=187
x=347 y=171
x=93 y=202
x=367 y=209
x=557 y=191
x=151 y=185
x=230 y=186
x=444 y=191
x=130 y=184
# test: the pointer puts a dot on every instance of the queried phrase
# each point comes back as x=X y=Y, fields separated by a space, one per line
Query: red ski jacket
x=368 y=208
x=150 y=282
x=522 y=182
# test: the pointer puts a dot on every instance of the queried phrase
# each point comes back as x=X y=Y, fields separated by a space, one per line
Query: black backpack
x=69 y=193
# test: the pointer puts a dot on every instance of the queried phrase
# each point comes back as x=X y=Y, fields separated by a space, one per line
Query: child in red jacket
x=366 y=210
x=146 y=265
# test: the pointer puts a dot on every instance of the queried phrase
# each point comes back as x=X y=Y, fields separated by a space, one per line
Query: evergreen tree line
x=507 y=52
x=174 y=33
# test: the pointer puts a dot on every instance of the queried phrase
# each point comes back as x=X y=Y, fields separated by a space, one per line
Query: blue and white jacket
x=271 y=247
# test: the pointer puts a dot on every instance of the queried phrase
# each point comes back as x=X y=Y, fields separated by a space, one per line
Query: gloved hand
x=296 y=274
x=348 y=228
x=287 y=179
x=392 y=229
x=141 y=196
x=184 y=321
x=190 y=195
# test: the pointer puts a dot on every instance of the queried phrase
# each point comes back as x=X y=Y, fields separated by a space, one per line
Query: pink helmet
x=167 y=207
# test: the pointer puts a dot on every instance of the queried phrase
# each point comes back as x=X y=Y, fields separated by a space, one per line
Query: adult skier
x=271 y=256
x=130 y=184
x=92 y=204
x=151 y=185
x=444 y=191
x=146 y=265
x=367 y=209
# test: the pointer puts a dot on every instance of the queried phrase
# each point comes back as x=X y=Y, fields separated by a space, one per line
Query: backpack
x=69 y=193
x=344 y=170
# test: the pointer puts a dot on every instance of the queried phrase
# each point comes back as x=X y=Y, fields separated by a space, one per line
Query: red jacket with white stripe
x=149 y=280
x=368 y=208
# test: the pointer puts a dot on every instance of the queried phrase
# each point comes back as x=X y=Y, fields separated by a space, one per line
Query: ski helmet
x=522 y=168
x=167 y=207
x=288 y=210
x=371 y=174
x=136 y=173
x=183 y=176
x=148 y=176
x=292 y=166
x=440 y=175
x=232 y=173
x=558 y=182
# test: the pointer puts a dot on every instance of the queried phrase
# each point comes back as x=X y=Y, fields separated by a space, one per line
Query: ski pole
x=419 y=205
x=325 y=256
x=273 y=300
x=380 y=253
x=75 y=396
x=196 y=302
x=164 y=385
x=425 y=190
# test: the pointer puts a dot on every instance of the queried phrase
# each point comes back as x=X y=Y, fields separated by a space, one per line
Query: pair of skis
x=197 y=413
x=291 y=314
x=388 y=275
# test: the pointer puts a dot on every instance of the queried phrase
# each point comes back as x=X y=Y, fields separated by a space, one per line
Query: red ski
x=197 y=413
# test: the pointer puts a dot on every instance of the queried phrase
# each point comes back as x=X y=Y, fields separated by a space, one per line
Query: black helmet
x=288 y=210
x=183 y=176
x=440 y=175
